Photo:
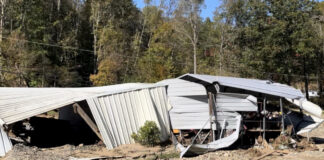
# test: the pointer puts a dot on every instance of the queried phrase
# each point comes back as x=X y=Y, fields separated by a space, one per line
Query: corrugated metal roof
x=5 y=144
x=179 y=87
x=261 y=86
x=119 y=115
x=20 y=103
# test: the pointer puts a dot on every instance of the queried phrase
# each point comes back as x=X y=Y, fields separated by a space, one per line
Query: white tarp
x=119 y=115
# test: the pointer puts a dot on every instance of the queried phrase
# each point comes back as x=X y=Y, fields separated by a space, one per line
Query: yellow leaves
x=107 y=73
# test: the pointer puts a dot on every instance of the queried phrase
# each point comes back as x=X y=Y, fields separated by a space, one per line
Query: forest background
x=74 y=43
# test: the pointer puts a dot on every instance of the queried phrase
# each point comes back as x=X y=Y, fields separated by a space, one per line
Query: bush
x=148 y=135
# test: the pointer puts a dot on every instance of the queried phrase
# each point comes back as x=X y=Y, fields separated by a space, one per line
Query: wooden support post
x=282 y=118
x=77 y=109
x=264 y=117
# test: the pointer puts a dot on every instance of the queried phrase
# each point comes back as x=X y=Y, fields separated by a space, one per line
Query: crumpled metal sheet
x=195 y=149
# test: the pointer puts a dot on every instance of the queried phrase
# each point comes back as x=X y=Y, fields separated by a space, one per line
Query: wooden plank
x=267 y=154
x=87 y=119
x=271 y=152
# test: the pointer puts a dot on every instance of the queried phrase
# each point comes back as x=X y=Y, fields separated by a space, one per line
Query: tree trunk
x=2 y=18
x=195 y=58
x=306 y=79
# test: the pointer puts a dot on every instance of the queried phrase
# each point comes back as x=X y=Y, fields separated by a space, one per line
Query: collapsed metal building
x=202 y=112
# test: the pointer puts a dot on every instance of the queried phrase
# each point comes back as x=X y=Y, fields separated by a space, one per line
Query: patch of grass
x=169 y=155
x=52 y=113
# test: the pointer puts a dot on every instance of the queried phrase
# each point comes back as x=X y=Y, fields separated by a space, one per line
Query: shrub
x=148 y=135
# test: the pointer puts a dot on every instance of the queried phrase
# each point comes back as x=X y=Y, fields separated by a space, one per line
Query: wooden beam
x=78 y=109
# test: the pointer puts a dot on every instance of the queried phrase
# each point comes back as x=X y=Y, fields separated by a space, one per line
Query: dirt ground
x=135 y=151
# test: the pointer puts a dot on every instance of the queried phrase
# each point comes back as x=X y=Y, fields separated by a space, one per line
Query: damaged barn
x=211 y=112
x=202 y=112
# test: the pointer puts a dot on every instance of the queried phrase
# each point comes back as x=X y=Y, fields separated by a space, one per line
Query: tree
x=187 y=22
x=274 y=36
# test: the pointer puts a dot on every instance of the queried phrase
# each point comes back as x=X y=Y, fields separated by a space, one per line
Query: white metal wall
x=190 y=109
x=5 y=144
x=119 y=115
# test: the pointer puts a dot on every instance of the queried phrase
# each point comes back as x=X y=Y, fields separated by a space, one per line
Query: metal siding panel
x=148 y=102
x=117 y=120
x=135 y=110
x=121 y=118
x=110 y=118
x=98 y=118
x=160 y=111
x=5 y=143
x=125 y=117
x=130 y=115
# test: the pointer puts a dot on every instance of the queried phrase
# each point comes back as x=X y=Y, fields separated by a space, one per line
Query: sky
x=207 y=10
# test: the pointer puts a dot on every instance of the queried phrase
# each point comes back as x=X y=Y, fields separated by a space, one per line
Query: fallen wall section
x=119 y=115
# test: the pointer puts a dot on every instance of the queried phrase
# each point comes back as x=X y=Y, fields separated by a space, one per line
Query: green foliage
x=148 y=135
x=112 y=41
x=169 y=155
x=107 y=72
x=274 y=36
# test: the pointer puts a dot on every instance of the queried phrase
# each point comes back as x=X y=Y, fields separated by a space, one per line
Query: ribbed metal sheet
x=20 y=103
x=5 y=143
x=119 y=115
x=179 y=87
x=261 y=86
x=190 y=109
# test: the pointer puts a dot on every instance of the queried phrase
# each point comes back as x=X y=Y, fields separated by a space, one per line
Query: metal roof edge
x=149 y=85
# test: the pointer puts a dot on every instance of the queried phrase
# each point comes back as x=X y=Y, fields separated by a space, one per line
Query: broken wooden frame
x=78 y=109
